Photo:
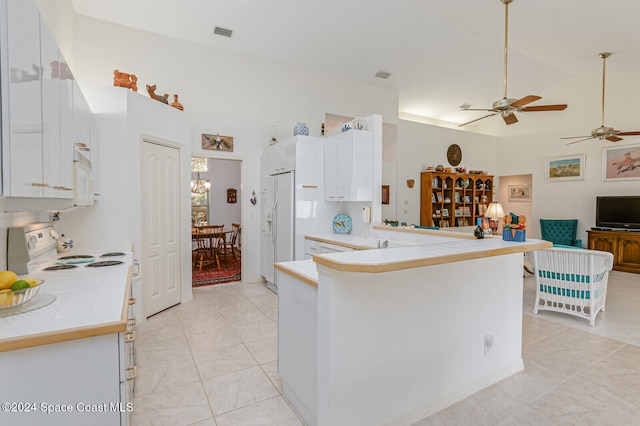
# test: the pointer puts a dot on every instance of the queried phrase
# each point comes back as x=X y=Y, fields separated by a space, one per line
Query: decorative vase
x=177 y=104
x=301 y=129
x=65 y=244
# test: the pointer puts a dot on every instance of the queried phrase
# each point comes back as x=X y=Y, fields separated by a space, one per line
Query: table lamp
x=494 y=213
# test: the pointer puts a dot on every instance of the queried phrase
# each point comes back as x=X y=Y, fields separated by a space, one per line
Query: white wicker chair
x=572 y=281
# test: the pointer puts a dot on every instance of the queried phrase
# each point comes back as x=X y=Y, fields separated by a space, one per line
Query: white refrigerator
x=278 y=224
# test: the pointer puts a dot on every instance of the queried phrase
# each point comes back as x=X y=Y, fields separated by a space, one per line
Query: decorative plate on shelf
x=342 y=224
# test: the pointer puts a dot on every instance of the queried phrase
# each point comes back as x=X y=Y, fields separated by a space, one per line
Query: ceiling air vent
x=383 y=74
x=223 y=32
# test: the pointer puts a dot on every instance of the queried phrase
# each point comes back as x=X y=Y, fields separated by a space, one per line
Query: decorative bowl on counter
x=13 y=298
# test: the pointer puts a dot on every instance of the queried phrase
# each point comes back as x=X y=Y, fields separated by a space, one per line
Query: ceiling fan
x=603 y=132
x=506 y=107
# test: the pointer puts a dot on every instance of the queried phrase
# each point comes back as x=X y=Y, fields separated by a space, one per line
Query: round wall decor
x=454 y=154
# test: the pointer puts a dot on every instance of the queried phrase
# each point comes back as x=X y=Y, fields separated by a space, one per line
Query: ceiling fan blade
x=628 y=134
x=558 y=107
x=613 y=138
x=526 y=100
x=510 y=118
x=476 y=109
x=585 y=139
x=477 y=119
x=577 y=137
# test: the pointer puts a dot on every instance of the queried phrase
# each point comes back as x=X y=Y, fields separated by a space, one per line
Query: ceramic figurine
x=176 y=104
x=123 y=79
x=152 y=92
x=301 y=129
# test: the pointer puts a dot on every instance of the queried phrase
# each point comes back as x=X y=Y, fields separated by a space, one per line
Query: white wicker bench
x=572 y=281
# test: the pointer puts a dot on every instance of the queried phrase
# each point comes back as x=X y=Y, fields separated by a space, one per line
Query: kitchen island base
x=395 y=347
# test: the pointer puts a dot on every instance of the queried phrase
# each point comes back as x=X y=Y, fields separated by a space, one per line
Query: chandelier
x=200 y=186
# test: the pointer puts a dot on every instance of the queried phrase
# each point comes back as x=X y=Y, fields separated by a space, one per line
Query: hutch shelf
x=453 y=199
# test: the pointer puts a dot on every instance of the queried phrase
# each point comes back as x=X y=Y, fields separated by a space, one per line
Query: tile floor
x=212 y=361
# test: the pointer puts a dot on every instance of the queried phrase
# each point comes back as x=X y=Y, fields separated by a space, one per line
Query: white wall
x=423 y=144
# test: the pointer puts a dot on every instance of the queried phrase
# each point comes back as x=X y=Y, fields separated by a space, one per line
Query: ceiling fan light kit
x=507 y=107
x=603 y=132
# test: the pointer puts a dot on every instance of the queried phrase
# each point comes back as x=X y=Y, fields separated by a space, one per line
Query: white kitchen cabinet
x=282 y=156
x=81 y=373
x=44 y=114
x=21 y=99
x=311 y=248
x=348 y=160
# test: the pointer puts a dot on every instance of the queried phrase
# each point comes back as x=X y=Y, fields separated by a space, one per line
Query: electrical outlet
x=488 y=343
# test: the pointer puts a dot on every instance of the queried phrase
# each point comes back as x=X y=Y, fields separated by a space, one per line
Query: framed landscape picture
x=519 y=192
x=621 y=163
x=569 y=167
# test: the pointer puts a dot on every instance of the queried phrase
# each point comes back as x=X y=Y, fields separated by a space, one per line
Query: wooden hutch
x=453 y=199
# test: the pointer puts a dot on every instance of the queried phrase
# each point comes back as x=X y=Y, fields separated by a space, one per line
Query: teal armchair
x=561 y=232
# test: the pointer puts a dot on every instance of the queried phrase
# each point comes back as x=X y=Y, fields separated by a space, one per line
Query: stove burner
x=114 y=254
x=104 y=263
x=76 y=256
x=58 y=267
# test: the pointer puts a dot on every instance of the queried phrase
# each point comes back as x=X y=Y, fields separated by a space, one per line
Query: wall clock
x=454 y=154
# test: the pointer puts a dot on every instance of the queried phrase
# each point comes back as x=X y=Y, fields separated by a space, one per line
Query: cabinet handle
x=131 y=322
x=309 y=186
x=312 y=248
x=132 y=301
x=340 y=196
x=134 y=375
x=130 y=336
x=39 y=184
x=63 y=188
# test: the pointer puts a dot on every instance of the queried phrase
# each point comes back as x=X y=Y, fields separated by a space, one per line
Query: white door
x=160 y=196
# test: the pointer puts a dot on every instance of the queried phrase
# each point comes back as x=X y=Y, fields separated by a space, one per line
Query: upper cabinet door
x=24 y=148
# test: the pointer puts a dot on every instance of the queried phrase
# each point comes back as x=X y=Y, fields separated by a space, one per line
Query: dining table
x=212 y=235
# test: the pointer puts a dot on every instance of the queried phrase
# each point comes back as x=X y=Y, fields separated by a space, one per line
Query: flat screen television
x=618 y=212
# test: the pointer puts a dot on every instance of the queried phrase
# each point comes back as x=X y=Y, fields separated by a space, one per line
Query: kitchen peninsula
x=390 y=336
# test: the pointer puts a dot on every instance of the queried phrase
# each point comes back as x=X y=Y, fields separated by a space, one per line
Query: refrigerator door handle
x=274 y=222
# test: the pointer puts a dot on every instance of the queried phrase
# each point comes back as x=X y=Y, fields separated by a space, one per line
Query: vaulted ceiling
x=440 y=54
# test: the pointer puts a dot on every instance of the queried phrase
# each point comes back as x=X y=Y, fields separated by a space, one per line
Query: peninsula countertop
x=434 y=250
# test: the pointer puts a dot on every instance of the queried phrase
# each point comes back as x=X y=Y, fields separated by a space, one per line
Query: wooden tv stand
x=624 y=245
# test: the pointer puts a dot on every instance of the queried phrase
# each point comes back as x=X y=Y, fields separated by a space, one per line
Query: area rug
x=211 y=276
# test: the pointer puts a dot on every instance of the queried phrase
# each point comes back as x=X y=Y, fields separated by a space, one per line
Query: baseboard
x=473 y=387
x=298 y=406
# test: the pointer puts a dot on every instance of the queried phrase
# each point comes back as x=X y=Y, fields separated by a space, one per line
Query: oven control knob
x=33 y=240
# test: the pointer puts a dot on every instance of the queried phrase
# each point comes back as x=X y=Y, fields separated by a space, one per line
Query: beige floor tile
x=271 y=370
x=264 y=350
x=274 y=411
x=162 y=351
x=207 y=422
x=166 y=374
x=258 y=330
x=159 y=329
x=238 y=389
x=178 y=406
x=208 y=339
x=244 y=315
x=581 y=401
x=223 y=360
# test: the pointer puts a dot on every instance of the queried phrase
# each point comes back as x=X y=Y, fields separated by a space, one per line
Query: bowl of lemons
x=15 y=292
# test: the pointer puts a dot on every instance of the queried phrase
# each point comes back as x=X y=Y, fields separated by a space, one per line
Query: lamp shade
x=495 y=210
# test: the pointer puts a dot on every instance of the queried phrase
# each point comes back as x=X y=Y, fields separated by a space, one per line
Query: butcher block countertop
x=89 y=302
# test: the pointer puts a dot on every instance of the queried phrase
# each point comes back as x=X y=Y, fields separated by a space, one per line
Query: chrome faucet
x=384 y=244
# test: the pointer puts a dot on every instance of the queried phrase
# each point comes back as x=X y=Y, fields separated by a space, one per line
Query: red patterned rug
x=211 y=276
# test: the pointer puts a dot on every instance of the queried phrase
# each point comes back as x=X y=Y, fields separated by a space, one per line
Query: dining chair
x=211 y=244
x=232 y=241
